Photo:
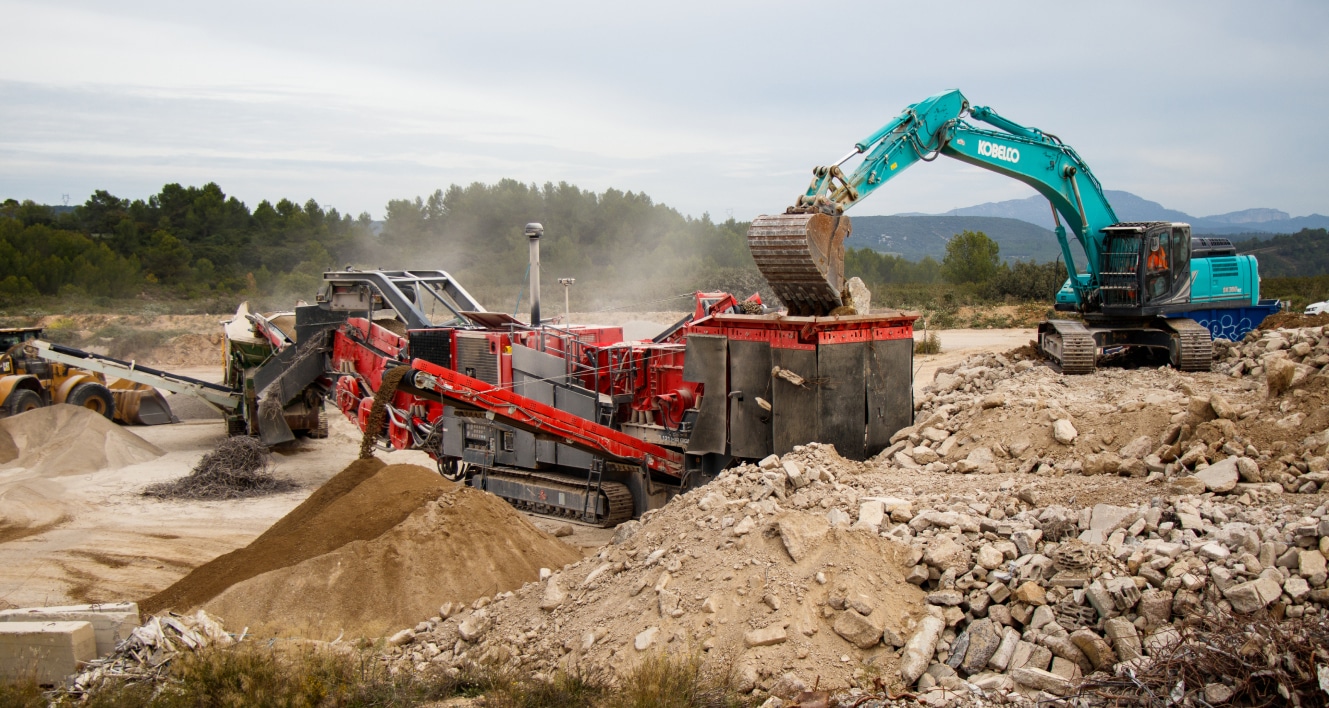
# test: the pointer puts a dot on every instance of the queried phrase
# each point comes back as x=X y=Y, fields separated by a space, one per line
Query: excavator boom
x=801 y=252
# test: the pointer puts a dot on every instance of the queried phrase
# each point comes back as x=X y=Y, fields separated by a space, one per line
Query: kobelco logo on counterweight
x=1001 y=152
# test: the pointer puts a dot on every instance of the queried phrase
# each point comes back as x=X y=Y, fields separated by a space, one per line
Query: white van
x=1317 y=308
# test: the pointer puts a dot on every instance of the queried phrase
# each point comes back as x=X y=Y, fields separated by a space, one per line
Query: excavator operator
x=1157 y=269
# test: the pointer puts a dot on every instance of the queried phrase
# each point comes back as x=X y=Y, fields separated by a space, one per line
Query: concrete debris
x=147 y=652
x=1028 y=532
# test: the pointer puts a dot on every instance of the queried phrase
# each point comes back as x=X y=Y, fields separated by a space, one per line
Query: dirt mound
x=460 y=547
x=188 y=350
x=67 y=440
x=368 y=548
x=1293 y=320
x=341 y=511
x=762 y=587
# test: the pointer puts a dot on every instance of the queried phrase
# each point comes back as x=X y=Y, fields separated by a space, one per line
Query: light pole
x=567 y=285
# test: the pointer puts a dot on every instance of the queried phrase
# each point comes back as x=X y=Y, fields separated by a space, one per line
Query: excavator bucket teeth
x=141 y=406
x=802 y=257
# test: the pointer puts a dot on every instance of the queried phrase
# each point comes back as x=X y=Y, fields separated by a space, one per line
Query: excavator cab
x=1143 y=266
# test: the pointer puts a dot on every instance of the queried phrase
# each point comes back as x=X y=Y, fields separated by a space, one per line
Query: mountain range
x=1130 y=207
x=1023 y=227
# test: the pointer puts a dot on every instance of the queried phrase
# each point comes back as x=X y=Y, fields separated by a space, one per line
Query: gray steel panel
x=454 y=436
x=532 y=387
x=749 y=423
x=546 y=452
x=525 y=453
x=890 y=391
x=581 y=403
x=293 y=369
x=538 y=364
x=842 y=397
x=705 y=362
x=795 y=407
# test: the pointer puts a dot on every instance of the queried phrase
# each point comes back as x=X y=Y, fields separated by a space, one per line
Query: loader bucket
x=139 y=404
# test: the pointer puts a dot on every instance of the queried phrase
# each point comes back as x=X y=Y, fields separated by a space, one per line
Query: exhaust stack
x=533 y=232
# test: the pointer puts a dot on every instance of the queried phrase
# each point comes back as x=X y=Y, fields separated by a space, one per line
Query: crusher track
x=617 y=496
x=801 y=255
x=1195 y=348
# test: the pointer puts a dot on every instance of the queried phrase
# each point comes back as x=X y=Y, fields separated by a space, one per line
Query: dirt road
x=956 y=344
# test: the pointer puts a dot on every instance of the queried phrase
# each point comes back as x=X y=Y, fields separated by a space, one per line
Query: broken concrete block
x=1125 y=638
x=871 y=514
x=858 y=630
x=919 y=649
x=1098 y=651
x=799 y=532
x=1310 y=563
x=645 y=638
x=985 y=638
x=1041 y=680
x=45 y=651
x=1220 y=477
x=1001 y=659
x=111 y=622
x=774 y=634
x=554 y=595
x=1253 y=595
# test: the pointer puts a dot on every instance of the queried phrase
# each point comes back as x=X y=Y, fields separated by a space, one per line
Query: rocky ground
x=1030 y=532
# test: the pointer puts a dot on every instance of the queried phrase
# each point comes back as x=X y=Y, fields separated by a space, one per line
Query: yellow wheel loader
x=28 y=381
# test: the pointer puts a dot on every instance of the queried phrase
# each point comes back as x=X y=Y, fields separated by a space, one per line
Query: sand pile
x=67 y=440
x=773 y=592
x=374 y=548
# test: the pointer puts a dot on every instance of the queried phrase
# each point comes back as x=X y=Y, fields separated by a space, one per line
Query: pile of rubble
x=148 y=652
x=995 y=414
x=1030 y=530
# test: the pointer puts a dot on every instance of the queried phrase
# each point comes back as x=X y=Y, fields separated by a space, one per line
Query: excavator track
x=1069 y=345
x=801 y=255
x=1193 y=345
x=617 y=495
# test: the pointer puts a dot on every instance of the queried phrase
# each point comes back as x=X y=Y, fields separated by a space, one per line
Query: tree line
x=623 y=248
x=972 y=262
x=181 y=242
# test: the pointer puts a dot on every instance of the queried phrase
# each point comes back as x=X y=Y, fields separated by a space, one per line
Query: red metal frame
x=807 y=332
x=529 y=414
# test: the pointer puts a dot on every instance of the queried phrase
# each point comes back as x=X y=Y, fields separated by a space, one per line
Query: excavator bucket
x=802 y=257
x=139 y=404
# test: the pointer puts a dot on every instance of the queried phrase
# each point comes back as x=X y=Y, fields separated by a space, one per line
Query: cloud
x=718 y=107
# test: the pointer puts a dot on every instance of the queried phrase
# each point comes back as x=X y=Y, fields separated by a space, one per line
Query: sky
x=710 y=107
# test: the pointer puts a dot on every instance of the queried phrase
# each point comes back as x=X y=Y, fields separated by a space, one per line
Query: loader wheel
x=22 y=401
x=93 y=396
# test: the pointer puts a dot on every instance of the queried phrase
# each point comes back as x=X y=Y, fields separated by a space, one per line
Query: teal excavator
x=1142 y=284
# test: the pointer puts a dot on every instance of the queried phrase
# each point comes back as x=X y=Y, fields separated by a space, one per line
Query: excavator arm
x=797 y=251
